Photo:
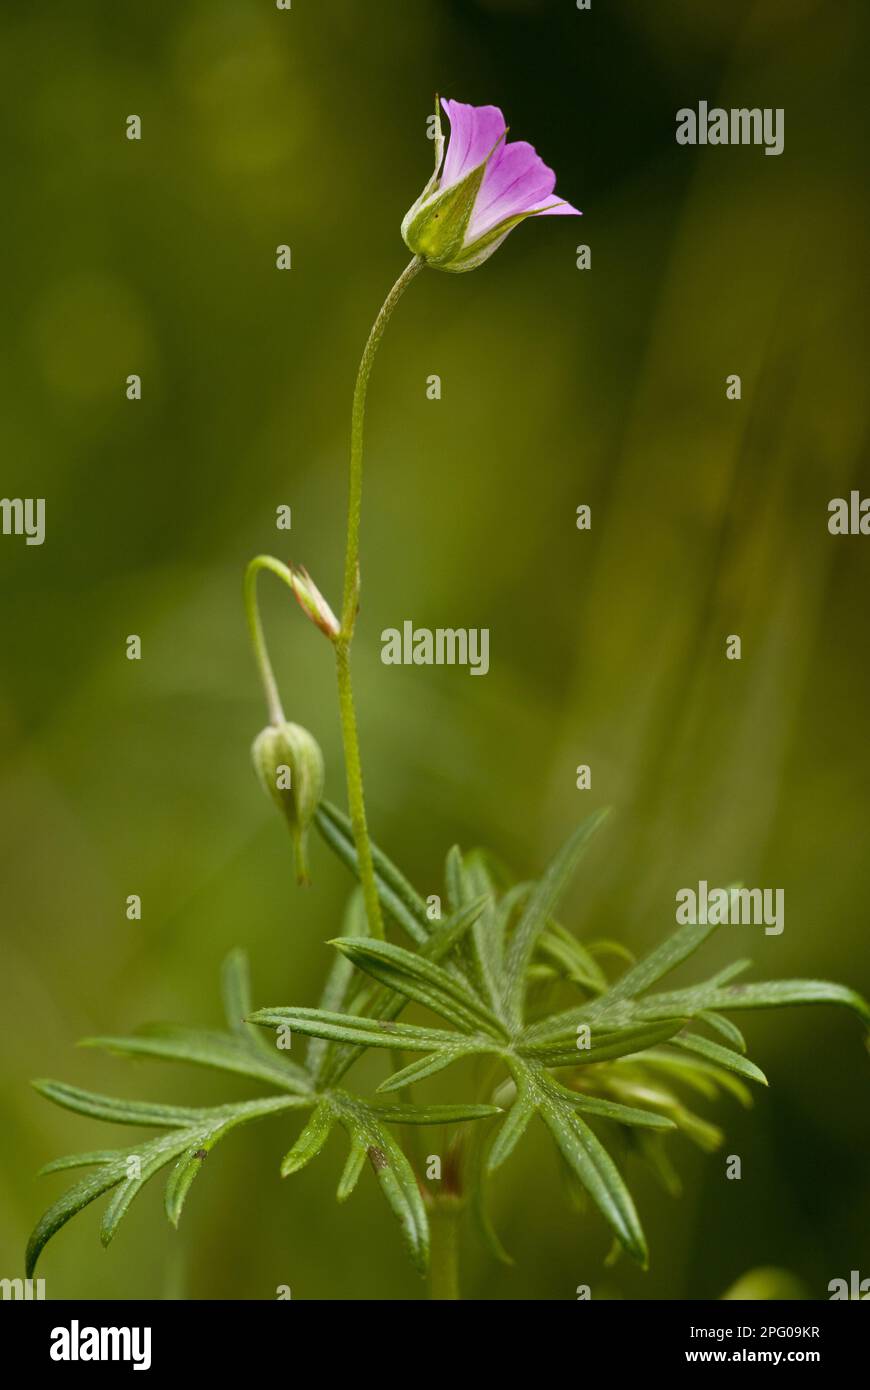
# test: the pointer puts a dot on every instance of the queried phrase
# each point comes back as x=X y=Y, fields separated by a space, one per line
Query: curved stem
x=255 y=627
x=350 y=603
x=354 y=509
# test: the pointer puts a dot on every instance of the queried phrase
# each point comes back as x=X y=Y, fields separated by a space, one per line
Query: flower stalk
x=316 y=608
x=255 y=627
x=350 y=602
x=350 y=606
x=444 y=1257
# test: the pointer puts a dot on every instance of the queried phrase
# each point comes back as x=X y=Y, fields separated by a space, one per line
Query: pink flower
x=481 y=189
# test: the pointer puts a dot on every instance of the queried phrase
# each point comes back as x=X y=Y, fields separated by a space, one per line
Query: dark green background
x=559 y=387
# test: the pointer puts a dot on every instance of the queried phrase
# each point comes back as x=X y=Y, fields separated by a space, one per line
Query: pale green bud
x=289 y=764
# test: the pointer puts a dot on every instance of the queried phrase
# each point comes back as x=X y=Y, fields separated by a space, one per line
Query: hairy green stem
x=354 y=508
x=350 y=603
x=355 y=796
x=444 y=1256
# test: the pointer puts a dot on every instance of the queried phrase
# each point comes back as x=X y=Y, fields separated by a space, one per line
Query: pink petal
x=474 y=132
x=516 y=180
x=560 y=209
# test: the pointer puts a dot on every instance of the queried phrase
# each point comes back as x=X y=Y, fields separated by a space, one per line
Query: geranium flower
x=482 y=188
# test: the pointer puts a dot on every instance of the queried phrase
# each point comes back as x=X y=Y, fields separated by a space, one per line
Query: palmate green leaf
x=702 y=1133
x=367 y=1032
x=223 y=1120
x=454 y=883
x=217 y=1123
x=666 y=1103
x=93 y=1159
x=609 y=947
x=222 y=1051
x=191 y=1133
x=427 y=1066
x=592 y=1164
x=236 y=996
x=484 y=1224
x=156 y=1156
x=468 y=879
x=311 y=1140
x=570 y=959
x=605 y=1043
x=699 y=1075
x=184 y=1142
x=437 y=941
x=666 y=957
x=584 y=1153
x=395 y=1176
x=619 y=1005
x=478 y=1151
x=620 y=1114
x=123 y=1112
x=651 y=1149
x=442 y=1047
x=375 y=1001
x=448 y=934
x=352 y=1170
x=516 y=1122
x=365 y=1127
x=781 y=994
x=505 y=911
x=715 y=996
x=725 y=1027
x=397 y=896
x=627 y=1023
x=537 y=1093
x=423 y=981
x=539 y=909
x=74 y=1200
x=363 y=1123
x=722 y=1056
x=433 y=1114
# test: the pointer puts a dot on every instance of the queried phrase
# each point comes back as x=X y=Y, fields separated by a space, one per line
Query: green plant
x=552 y=1036
x=491 y=970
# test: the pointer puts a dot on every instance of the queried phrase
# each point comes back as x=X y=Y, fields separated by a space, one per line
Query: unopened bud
x=312 y=602
x=289 y=764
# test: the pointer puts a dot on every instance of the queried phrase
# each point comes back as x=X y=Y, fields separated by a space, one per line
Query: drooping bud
x=289 y=764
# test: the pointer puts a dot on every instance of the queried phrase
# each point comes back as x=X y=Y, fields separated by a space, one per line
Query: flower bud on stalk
x=312 y=602
x=289 y=764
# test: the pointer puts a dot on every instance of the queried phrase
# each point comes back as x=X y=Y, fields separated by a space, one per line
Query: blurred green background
x=560 y=387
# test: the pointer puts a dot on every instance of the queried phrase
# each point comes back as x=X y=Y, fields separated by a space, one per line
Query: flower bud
x=312 y=602
x=289 y=763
